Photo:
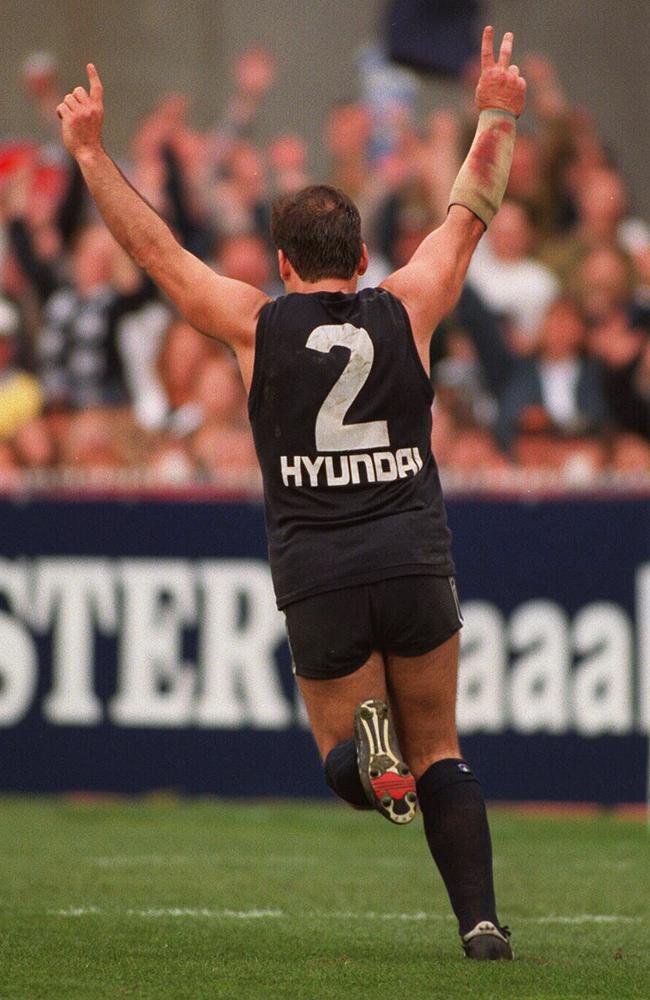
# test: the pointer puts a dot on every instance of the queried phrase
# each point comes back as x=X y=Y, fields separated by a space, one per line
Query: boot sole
x=386 y=778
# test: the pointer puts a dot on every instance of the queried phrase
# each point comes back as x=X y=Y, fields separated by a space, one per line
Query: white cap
x=39 y=64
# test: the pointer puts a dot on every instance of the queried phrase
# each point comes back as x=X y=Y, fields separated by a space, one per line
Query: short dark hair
x=319 y=229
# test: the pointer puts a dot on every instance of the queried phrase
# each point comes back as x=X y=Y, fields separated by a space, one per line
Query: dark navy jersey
x=340 y=407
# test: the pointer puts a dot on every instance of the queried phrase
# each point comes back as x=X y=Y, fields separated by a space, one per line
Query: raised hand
x=82 y=116
x=500 y=84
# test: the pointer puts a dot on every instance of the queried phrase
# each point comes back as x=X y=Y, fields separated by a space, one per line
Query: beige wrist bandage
x=482 y=179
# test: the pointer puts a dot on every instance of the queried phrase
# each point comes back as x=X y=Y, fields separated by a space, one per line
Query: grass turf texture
x=167 y=899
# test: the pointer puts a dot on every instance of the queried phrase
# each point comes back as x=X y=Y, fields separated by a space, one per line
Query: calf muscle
x=422 y=692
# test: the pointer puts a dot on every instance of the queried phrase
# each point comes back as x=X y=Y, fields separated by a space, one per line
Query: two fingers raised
x=487 y=49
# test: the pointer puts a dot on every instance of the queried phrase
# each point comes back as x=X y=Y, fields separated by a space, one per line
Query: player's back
x=340 y=407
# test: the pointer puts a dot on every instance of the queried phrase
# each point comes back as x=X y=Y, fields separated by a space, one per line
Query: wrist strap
x=482 y=179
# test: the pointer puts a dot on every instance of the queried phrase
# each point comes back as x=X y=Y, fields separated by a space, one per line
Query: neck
x=296 y=284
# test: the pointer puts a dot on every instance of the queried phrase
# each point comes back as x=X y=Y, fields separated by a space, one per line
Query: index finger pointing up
x=487 y=47
x=506 y=49
x=96 y=88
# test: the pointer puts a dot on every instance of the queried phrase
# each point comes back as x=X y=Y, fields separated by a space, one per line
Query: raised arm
x=429 y=285
x=217 y=306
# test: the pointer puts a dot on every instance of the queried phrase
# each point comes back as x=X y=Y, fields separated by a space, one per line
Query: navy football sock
x=342 y=774
x=456 y=827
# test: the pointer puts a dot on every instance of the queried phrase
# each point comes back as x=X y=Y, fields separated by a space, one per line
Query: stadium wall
x=150 y=48
x=140 y=648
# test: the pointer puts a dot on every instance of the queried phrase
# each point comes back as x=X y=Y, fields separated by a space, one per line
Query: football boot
x=386 y=778
x=487 y=942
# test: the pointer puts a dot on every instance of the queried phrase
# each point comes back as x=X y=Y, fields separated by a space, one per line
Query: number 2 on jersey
x=331 y=433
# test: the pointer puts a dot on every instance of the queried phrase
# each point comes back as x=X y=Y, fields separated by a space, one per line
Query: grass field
x=167 y=899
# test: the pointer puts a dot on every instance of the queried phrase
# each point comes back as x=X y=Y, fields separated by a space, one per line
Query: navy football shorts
x=333 y=634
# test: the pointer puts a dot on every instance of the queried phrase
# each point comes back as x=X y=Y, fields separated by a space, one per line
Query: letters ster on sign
x=538 y=671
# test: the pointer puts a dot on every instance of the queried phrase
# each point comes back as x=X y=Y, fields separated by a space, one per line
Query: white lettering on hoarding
x=73 y=598
x=155 y=686
x=482 y=677
x=535 y=671
x=602 y=687
x=643 y=649
x=241 y=630
x=540 y=670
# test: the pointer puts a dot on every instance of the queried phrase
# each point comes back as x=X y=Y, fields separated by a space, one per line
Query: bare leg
x=362 y=762
x=331 y=703
x=422 y=691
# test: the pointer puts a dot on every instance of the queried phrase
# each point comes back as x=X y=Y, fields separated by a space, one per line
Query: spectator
x=602 y=221
x=620 y=350
x=558 y=391
x=226 y=454
x=182 y=357
x=246 y=258
x=515 y=287
x=35 y=445
x=630 y=455
x=126 y=384
x=238 y=202
x=288 y=157
x=347 y=136
x=78 y=355
x=21 y=398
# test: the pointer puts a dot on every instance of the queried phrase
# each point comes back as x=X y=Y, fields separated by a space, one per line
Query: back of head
x=319 y=230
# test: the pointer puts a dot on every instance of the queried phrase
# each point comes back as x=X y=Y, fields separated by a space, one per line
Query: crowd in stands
x=543 y=369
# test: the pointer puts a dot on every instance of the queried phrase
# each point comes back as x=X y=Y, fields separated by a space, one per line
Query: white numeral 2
x=331 y=433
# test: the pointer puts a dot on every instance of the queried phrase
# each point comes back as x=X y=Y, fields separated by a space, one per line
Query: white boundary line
x=418 y=916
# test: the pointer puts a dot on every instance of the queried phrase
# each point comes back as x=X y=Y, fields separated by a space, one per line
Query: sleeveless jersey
x=340 y=407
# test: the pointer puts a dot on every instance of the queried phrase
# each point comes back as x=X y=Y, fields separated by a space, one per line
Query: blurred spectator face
x=40 y=74
x=563 y=332
x=289 y=159
x=47 y=241
x=183 y=354
x=219 y=390
x=537 y=451
x=347 y=130
x=615 y=343
x=475 y=451
x=581 y=459
x=255 y=71
x=394 y=170
x=172 y=110
x=171 y=463
x=34 y=445
x=601 y=203
x=510 y=233
x=246 y=258
x=92 y=259
x=91 y=442
x=246 y=169
x=8 y=462
x=289 y=152
x=225 y=452
x=604 y=282
x=631 y=454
